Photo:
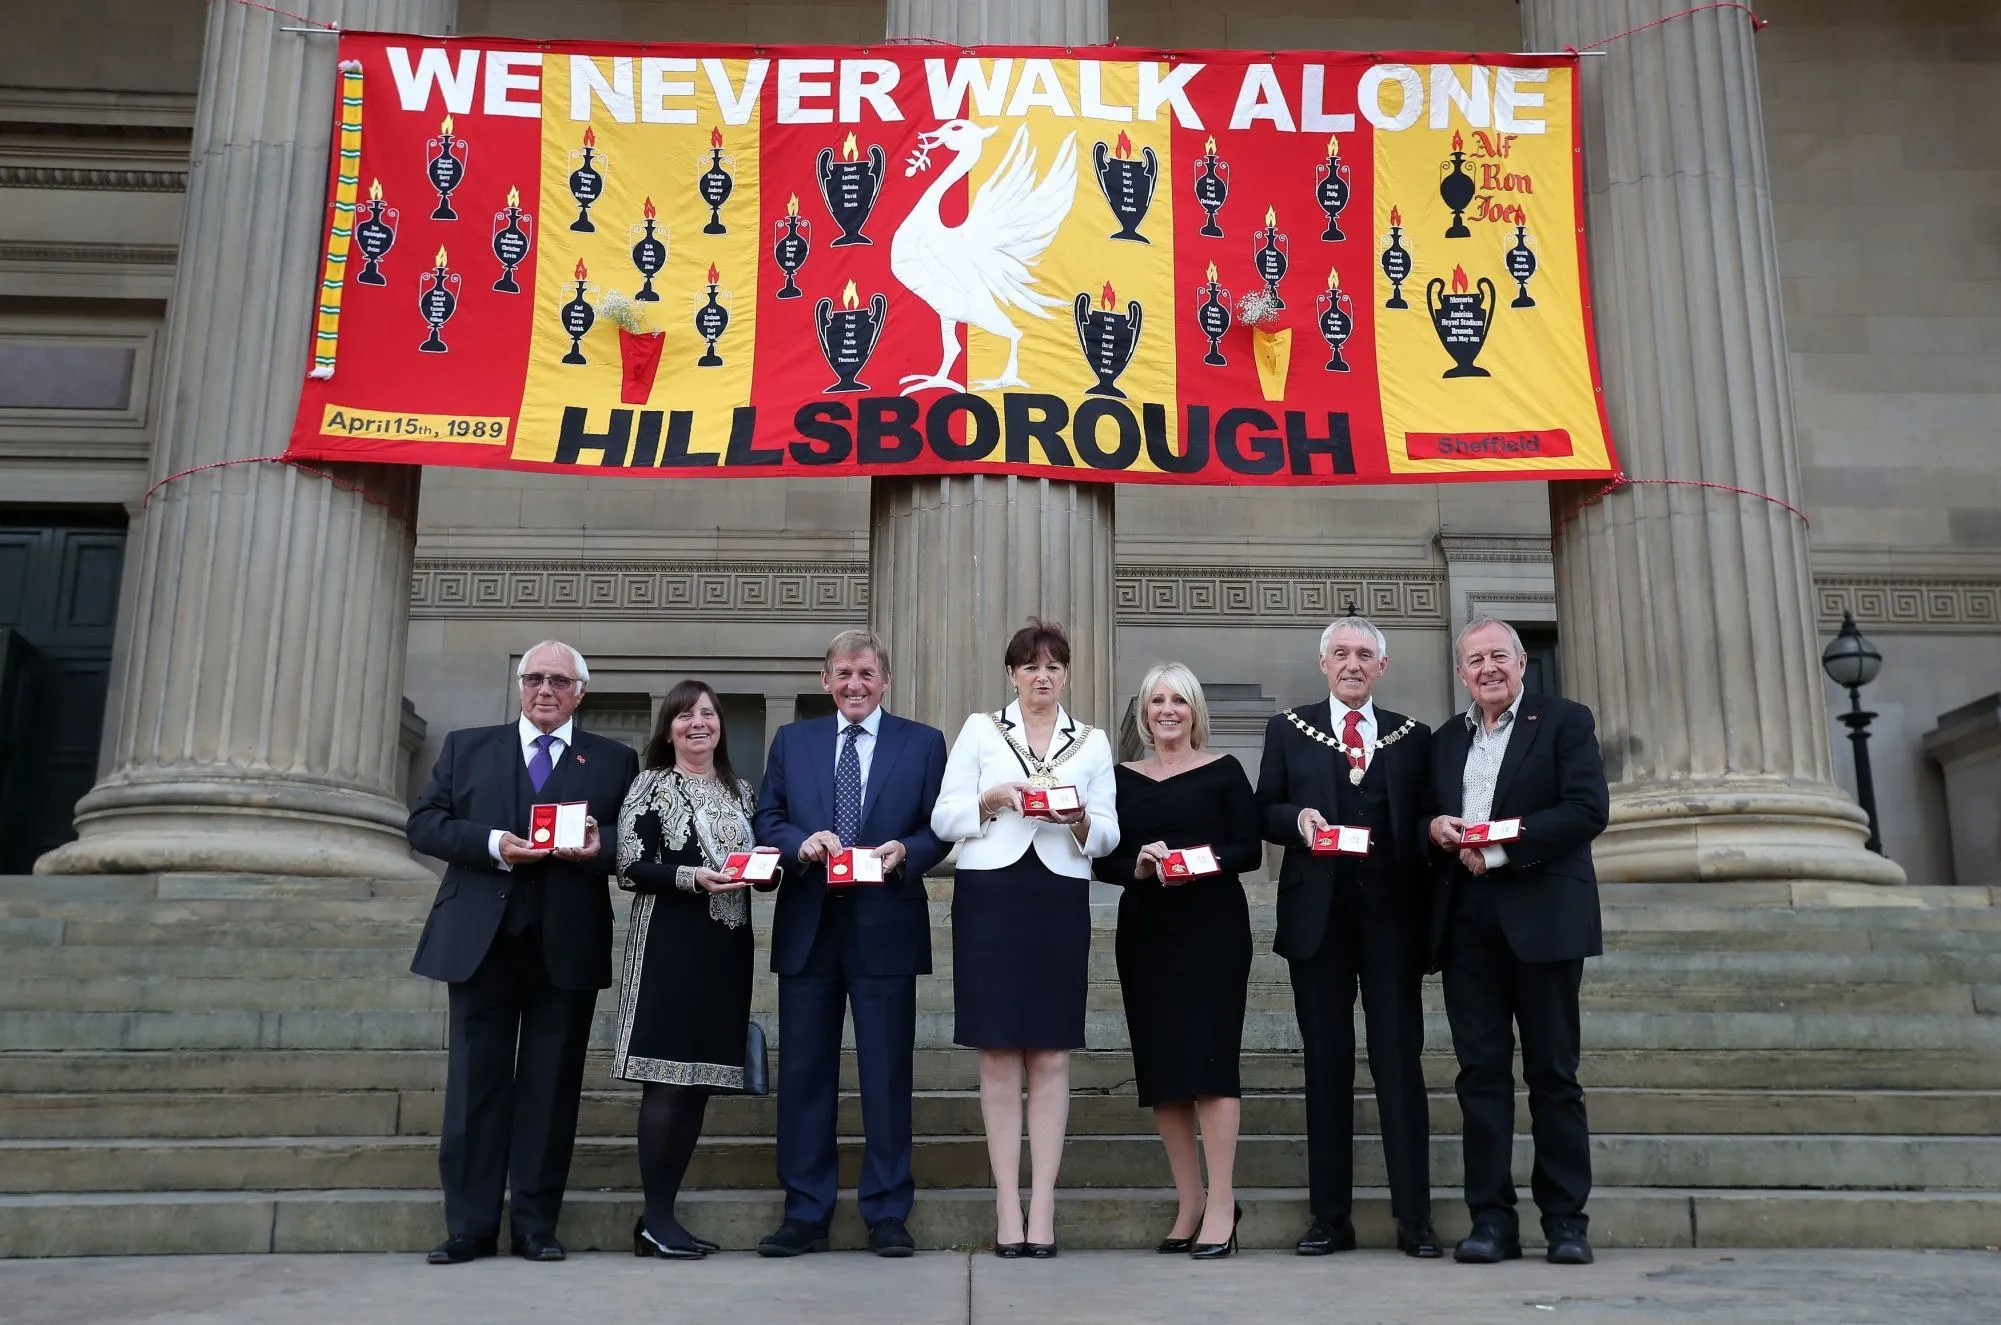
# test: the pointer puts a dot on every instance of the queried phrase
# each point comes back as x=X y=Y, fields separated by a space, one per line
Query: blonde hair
x=1178 y=678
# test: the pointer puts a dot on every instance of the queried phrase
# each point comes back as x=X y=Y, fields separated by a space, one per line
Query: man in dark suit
x=867 y=779
x=523 y=937
x=1513 y=923
x=1345 y=920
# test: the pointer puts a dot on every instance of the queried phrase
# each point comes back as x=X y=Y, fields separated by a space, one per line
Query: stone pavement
x=1372 y=1288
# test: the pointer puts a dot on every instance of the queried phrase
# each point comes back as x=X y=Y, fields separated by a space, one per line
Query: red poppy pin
x=579 y=759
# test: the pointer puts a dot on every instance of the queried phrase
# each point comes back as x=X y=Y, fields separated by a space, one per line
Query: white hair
x=1178 y=678
x=1482 y=623
x=576 y=659
x=1361 y=624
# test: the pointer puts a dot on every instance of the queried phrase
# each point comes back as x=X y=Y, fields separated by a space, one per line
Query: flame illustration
x=375 y=190
x=590 y=137
x=1271 y=218
x=447 y=126
x=1458 y=143
x=714 y=275
x=1333 y=145
x=441 y=257
x=1209 y=147
x=849 y=299
x=1458 y=280
x=848 y=147
x=1123 y=149
x=1107 y=299
x=1333 y=279
x=513 y=197
x=716 y=136
x=792 y=205
x=582 y=275
x=1396 y=218
x=1212 y=273
x=647 y=211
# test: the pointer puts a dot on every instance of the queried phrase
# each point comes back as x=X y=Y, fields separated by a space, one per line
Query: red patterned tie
x=1351 y=737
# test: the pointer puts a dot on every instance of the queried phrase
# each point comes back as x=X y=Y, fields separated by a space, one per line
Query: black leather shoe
x=1010 y=1251
x=888 y=1237
x=1416 y=1237
x=794 y=1237
x=1568 y=1246
x=645 y=1244
x=540 y=1247
x=1325 y=1237
x=1216 y=1251
x=462 y=1247
x=1488 y=1244
x=1040 y=1251
x=706 y=1247
x=1175 y=1246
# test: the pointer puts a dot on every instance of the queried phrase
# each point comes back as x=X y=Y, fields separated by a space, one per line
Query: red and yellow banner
x=1206 y=267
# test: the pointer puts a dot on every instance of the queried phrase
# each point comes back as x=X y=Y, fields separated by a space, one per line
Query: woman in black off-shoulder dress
x=1184 y=948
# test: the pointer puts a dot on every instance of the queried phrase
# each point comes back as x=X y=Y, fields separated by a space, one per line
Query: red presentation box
x=853 y=865
x=1048 y=802
x=558 y=827
x=1500 y=830
x=1341 y=840
x=759 y=866
x=1190 y=863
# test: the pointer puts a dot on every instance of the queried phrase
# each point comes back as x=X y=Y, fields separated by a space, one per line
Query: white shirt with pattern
x=1483 y=770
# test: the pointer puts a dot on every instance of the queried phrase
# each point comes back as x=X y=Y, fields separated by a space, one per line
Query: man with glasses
x=523 y=937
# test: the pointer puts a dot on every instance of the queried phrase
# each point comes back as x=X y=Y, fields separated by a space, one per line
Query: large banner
x=1224 y=267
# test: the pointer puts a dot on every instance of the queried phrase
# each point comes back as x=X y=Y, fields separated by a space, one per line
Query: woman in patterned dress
x=684 y=992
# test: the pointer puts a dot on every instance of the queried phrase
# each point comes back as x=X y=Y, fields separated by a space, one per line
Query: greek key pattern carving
x=642 y=591
x=1277 y=595
x=1942 y=605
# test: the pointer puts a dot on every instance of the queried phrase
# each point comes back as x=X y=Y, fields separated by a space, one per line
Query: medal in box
x=558 y=827
x=1341 y=840
x=759 y=866
x=853 y=865
x=1048 y=802
x=1190 y=863
x=1500 y=830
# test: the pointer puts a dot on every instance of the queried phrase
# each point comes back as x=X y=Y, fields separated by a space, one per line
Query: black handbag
x=756 y=1062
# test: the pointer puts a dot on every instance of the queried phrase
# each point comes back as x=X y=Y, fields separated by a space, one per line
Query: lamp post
x=1851 y=660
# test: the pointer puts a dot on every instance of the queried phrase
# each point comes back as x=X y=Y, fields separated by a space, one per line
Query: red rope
x=1757 y=24
x=339 y=482
x=1623 y=481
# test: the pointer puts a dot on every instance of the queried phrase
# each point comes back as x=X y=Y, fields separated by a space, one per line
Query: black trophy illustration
x=848 y=337
x=374 y=236
x=577 y=317
x=715 y=185
x=446 y=168
x=586 y=184
x=1332 y=189
x=1396 y=262
x=1521 y=265
x=794 y=242
x=649 y=254
x=1127 y=184
x=712 y=318
x=513 y=233
x=1212 y=187
x=1462 y=320
x=437 y=301
x=1272 y=256
x=1456 y=189
x=1109 y=339
x=1212 y=314
x=1337 y=321
x=849 y=187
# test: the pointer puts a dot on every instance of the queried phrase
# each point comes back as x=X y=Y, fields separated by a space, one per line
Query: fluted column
x=956 y=564
x=261 y=694
x=1686 y=612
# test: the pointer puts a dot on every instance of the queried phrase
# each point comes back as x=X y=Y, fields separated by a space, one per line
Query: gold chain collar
x=1041 y=772
x=1352 y=751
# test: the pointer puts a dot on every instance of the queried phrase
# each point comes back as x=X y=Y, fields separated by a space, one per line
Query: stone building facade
x=1866 y=390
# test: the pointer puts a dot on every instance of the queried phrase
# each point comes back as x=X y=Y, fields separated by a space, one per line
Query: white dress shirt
x=1337 y=713
x=864 y=744
x=530 y=733
x=1483 y=771
x=981 y=757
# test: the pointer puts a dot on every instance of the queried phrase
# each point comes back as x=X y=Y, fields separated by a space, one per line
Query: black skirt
x=1021 y=952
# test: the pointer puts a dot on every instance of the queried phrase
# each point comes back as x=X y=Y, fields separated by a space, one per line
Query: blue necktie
x=848 y=788
x=540 y=765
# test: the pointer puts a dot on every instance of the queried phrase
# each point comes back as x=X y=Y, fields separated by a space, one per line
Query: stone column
x=1686 y=613
x=260 y=700
x=957 y=564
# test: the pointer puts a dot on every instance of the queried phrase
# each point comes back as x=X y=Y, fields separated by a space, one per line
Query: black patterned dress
x=684 y=989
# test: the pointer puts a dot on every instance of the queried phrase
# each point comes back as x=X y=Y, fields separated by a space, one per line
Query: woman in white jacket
x=1021 y=917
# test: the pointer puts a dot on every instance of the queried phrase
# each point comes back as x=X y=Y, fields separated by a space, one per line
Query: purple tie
x=540 y=765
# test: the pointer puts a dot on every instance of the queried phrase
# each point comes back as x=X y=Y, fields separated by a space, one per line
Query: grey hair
x=1357 y=623
x=1179 y=678
x=576 y=659
x=1481 y=623
x=851 y=643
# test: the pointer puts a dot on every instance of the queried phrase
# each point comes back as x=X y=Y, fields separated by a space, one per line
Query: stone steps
x=1134 y=1159
x=393 y=1221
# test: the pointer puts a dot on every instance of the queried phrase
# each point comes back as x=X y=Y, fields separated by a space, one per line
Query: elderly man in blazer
x=523 y=937
x=1513 y=923
x=863 y=778
x=1349 y=920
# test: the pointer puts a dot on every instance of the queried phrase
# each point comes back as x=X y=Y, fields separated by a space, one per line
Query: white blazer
x=1079 y=755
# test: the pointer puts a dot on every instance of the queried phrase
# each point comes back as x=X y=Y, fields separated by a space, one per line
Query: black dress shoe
x=1040 y=1251
x=707 y=1247
x=1325 y=1237
x=1488 y=1244
x=1568 y=1246
x=540 y=1247
x=1416 y=1237
x=1175 y=1246
x=1216 y=1251
x=462 y=1247
x=645 y=1244
x=1010 y=1251
x=794 y=1237
x=888 y=1237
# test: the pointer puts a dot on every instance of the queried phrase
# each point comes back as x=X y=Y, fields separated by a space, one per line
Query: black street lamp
x=1851 y=660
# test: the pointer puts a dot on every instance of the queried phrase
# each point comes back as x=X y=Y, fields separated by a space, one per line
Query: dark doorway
x=59 y=577
x=1545 y=673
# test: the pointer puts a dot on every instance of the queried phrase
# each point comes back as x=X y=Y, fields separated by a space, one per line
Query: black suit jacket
x=1298 y=773
x=477 y=787
x=1552 y=778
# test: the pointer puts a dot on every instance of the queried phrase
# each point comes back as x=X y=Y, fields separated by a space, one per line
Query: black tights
x=670 y=1122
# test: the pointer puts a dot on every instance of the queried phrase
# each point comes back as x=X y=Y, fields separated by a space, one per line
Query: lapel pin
x=579 y=758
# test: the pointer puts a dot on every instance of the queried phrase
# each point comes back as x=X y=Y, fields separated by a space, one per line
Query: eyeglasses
x=560 y=684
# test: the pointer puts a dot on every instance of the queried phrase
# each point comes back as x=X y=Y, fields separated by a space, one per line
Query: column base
x=1738 y=833
x=265 y=825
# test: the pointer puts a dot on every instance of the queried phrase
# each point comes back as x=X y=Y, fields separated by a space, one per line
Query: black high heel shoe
x=1216 y=1251
x=1041 y=1251
x=1010 y=1251
x=1175 y=1246
x=644 y=1245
